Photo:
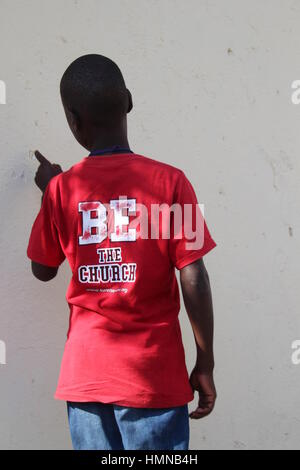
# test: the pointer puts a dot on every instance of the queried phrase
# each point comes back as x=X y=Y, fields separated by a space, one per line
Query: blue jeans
x=102 y=426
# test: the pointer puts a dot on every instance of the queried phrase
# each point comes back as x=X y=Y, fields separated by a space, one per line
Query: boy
x=123 y=373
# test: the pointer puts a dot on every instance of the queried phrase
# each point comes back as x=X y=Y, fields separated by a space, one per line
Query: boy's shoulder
x=142 y=160
x=152 y=162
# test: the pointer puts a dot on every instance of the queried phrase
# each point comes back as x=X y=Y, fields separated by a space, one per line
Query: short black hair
x=93 y=86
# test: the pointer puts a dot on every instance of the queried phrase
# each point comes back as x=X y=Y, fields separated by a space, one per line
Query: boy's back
x=124 y=342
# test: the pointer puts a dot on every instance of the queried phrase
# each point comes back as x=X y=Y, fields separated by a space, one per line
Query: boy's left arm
x=197 y=298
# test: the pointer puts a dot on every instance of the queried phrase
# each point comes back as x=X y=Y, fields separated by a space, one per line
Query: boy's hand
x=45 y=171
x=203 y=382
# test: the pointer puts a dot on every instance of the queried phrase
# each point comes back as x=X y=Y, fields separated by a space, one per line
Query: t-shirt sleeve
x=44 y=246
x=190 y=238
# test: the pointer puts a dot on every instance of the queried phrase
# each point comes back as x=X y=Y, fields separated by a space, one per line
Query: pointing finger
x=43 y=160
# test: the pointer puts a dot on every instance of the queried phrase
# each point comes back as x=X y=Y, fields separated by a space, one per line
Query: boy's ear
x=130 y=105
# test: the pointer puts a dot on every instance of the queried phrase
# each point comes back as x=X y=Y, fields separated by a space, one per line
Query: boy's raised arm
x=197 y=298
x=45 y=172
x=43 y=273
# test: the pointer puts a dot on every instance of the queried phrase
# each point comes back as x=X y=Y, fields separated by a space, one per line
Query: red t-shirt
x=124 y=343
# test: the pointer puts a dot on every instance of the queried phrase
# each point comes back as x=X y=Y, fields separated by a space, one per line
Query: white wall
x=211 y=85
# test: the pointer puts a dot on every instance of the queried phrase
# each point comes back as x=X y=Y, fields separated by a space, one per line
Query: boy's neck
x=107 y=142
x=102 y=138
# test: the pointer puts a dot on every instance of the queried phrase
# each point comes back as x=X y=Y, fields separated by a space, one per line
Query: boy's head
x=95 y=98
